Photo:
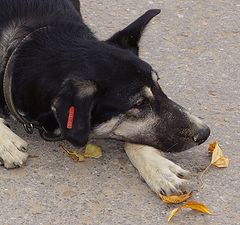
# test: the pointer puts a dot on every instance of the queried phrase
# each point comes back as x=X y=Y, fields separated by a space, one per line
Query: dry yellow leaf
x=76 y=155
x=218 y=158
x=93 y=151
x=199 y=207
x=175 y=199
x=173 y=213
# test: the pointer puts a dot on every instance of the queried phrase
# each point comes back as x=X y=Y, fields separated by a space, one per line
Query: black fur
x=65 y=64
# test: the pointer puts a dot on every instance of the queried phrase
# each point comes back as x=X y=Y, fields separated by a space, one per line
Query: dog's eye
x=139 y=102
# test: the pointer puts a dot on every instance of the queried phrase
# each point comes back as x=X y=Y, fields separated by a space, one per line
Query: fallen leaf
x=76 y=155
x=93 y=151
x=175 y=199
x=196 y=206
x=173 y=213
x=218 y=158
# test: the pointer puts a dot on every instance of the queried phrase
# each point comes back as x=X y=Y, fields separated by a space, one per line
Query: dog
x=57 y=77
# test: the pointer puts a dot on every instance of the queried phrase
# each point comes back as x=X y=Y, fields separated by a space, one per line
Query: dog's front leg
x=11 y=145
x=161 y=175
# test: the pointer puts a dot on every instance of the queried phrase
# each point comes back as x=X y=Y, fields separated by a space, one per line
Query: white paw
x=11 y=147
x=161 y=175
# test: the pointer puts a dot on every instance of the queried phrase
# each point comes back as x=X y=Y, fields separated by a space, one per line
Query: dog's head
x=121 y=98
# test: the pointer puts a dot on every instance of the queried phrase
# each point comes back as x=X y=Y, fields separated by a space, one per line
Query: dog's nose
x=202 y=135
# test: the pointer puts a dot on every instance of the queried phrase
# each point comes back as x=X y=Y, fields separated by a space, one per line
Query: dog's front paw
x=165 y=177
x=161 y=175
x=11 y=146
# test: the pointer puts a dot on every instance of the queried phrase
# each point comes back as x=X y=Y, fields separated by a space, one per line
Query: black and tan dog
x=58 y=77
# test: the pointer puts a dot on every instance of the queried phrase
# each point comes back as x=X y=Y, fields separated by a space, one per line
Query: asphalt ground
x=195 y=47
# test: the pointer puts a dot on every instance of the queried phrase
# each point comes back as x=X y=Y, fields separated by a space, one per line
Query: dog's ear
x=73 y=108
x=129 y=37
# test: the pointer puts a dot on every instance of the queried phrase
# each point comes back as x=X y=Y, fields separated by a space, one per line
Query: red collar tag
x=70 y=117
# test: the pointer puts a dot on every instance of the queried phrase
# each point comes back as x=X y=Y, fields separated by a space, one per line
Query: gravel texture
x=195 y=47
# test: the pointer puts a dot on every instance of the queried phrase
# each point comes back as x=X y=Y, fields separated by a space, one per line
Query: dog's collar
x=7 y=89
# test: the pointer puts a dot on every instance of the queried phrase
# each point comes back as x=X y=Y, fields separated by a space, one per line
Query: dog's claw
x=162 y=192
x=180 y=175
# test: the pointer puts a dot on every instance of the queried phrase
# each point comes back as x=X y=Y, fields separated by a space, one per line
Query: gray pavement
x=195 y=47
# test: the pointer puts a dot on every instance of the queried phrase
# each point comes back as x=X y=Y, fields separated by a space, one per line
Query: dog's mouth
x=179 y=145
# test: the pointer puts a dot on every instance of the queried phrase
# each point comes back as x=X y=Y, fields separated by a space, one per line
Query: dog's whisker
x=172 y=147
